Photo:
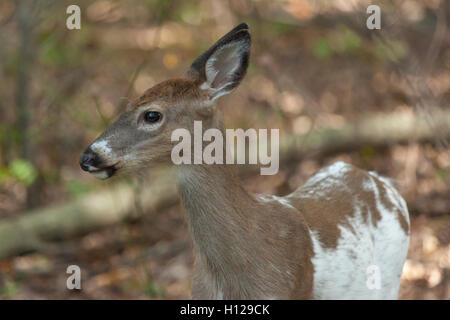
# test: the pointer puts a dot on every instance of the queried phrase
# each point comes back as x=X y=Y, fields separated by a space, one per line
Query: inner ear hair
x=222 y=67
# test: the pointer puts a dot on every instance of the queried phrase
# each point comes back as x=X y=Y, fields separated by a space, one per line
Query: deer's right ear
x=221 y=68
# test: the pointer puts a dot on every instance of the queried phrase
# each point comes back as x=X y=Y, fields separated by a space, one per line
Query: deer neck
x=232 y=232
x=218 y=209
x=219 y=212
x=225 y=223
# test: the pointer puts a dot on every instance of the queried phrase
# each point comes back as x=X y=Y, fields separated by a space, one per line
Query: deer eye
x=152 y=116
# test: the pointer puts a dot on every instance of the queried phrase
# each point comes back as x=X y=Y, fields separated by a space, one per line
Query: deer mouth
x=104 y=173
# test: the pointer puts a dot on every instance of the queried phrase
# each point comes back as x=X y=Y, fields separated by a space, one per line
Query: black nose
x=88 y=158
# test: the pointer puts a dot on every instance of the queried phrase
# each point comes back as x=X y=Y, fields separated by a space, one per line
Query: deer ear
x=221 y=68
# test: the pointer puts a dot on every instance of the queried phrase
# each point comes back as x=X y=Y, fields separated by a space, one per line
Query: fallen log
x=33 y=231
x=378 y=130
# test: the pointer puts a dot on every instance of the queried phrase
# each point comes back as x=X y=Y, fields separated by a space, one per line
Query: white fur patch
x=100 y=174
x=329 y=177
x=344 y=272
x=282 y=200
x=101 y=147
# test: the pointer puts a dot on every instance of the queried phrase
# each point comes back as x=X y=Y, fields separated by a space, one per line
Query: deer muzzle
x=91 y=162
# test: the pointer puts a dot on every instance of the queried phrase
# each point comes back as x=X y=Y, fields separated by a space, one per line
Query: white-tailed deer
x=343 y=235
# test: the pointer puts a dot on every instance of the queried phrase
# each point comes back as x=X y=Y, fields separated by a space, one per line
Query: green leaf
x=442 y=174
x=346 y=40
x=4 y=174
x=153 y=290
x=77 y=188
x=9 y=289
x=190 y=13
x=23 y=171
x=279 y=27
x=322 y=49
x=392 y=50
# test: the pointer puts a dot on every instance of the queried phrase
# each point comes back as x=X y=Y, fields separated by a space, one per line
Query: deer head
x=142 y=135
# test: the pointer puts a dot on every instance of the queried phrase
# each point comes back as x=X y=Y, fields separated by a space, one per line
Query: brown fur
x=326 y=214
x=246 y=249
x=234 y=233
x=173 y=90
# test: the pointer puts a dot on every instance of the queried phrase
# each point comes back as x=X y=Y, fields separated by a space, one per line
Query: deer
x=343 y=234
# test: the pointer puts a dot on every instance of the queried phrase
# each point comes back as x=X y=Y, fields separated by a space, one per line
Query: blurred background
x=378 y=99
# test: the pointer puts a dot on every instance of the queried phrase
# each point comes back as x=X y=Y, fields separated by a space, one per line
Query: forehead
x=169 y=91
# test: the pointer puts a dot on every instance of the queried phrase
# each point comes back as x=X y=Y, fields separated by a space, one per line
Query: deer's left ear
x=221 y=68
